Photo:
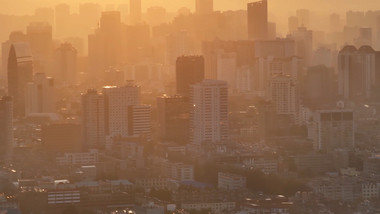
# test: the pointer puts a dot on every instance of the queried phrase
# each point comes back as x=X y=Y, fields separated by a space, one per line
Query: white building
x=228 y=181
x=117 y=101
x=83 y=158
x=209 y=112
x=282 y=93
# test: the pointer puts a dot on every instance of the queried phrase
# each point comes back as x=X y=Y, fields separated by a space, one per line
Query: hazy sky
x=276 y=6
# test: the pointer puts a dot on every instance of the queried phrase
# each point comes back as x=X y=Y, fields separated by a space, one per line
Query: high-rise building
x=135 y=11
x=189 y=71
x=93 y=119
x=226 y=68
x=66 y=64
x=117 y=101
x=356 y=72
x=15 y=36
x=304 y=44
x=20 y=72
x=6 y=127
x=39 y=95
x=40 y=37
x=139 y=121
x=258 y=20
x=268 y=67
x=319 y=86
x=293 y=24
x=203 y=7
x=177 y=44
x=209 y=112
x=282 y=93
x=332 y=129
x=173 y=119
x=105 y=45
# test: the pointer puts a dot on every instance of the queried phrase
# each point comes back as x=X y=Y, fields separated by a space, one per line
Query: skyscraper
x=93 y=119
x=189 y=71
x=66 y=64
x=105 y=45
x=6 y=127
x=135 y=11
x=258 y=20
x=282 y=93
x=209 y=112
x=356 y=72
x=20 y=72
x=117 y=101
x=203 y=7
x=39 y=95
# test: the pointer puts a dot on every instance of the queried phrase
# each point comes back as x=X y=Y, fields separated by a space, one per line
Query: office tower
x=173 y=119
x=293 y=24
x=39 y=95
x=65 y=60
x=14 y=36
x=139 y=121
x=62 y=20
x=282 y=93
x=319 y=86
x=20 y=72
x=204 y=7
x=61 y=138
x=189 y=71
x=105 y=45
x=93 y=119
x=258 y=20
x=303 y=16
x=304 y=44
x=209 y=112
x=135 y=11
x=117 y=101
x=156 y=15
x=356 y=72
x=332 y=129
x=6 y=127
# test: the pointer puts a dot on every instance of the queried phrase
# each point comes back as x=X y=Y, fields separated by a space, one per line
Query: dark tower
x=189 y=71
x=20 y=72
x=258 y=20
